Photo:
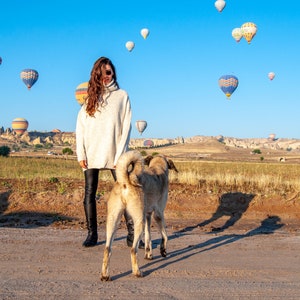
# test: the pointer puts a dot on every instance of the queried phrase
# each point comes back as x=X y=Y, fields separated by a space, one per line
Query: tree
x=4 y=151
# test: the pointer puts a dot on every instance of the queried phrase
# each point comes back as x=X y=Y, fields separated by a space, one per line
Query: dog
x=142 y=189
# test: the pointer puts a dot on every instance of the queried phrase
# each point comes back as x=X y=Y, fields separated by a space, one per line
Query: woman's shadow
x=233 y=205
x=26 y=219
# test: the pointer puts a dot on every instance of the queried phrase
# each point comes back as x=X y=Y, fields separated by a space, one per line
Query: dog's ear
x=147 y=160
x=171 y=165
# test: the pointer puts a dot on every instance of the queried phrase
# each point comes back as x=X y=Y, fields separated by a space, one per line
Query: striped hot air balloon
x=19 y=125
x=228 y=84
x=29 y=77
x=81 y=92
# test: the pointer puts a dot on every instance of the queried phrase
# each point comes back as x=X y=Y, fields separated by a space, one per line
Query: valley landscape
x=216 y=209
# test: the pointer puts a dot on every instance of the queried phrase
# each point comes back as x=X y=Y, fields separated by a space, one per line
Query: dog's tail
x=129 y=168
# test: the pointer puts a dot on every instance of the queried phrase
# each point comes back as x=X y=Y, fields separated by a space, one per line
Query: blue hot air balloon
x=29 y=77
x=228 y=84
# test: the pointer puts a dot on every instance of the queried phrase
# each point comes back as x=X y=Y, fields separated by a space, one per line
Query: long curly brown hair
x=96 y=87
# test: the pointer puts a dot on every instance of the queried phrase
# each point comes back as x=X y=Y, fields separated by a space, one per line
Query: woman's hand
x=83 y=164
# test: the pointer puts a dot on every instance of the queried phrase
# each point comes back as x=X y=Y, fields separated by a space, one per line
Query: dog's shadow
x=27 y=219
x=268 y=226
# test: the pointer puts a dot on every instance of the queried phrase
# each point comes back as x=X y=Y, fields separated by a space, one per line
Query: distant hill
x=68 y=138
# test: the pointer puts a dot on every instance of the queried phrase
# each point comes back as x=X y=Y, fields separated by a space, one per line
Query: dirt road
x=261 y=262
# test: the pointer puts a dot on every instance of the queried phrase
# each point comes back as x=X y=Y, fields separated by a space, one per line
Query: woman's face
x=107 y=74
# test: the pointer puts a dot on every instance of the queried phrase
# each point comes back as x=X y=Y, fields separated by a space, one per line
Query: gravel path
x=47 y=263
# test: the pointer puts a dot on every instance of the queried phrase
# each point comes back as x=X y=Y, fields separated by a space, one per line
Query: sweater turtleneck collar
x=110 y=87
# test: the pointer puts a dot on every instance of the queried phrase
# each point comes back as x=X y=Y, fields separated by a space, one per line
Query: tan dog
x=141 y=190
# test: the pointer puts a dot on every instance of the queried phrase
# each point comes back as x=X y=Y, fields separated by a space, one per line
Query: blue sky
x=171 y=77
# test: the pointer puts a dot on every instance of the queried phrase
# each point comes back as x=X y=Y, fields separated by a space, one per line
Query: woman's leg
x=91 y=183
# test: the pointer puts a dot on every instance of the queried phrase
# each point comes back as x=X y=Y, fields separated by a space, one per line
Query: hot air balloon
x=129 y=45
x=0 y=60
x=271 y=75
x=237 y=34
x=220 y=5
x=19 y=125
x=148 y=143
x=228 y=84
x=272 y=136
x=29 y=77
x=140 y=126
x=145 y=33
x=249 y=30
x=81 y=92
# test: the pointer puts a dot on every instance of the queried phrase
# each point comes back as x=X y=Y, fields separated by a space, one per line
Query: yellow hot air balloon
x=249 y=31
x=237 y=34
x=129 y=45
x=19 y=125
x=81 y=92
x=145 y=32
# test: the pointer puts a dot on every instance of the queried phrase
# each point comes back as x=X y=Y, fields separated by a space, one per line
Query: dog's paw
x=138 y=274
x=105 y=278
x=163 y=253
x=148 y=256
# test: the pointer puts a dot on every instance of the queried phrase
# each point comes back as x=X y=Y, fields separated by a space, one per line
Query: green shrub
x=67 y=151
x=256 y=151
x=143 y=153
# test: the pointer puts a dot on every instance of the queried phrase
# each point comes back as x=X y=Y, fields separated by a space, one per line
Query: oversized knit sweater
x=101 y=139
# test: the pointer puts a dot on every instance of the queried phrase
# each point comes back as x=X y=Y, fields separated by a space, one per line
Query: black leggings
x=91 y=177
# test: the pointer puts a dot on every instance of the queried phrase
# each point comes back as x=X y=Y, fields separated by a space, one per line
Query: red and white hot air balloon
x=271 y=75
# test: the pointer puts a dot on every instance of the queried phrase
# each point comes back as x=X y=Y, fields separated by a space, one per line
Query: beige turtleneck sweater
x=102 y=139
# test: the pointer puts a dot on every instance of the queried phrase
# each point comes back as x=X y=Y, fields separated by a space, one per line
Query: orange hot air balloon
x=19 y=125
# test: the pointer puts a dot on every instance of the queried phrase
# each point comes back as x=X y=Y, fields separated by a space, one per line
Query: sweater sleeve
x=80 y=149
x=126 y=130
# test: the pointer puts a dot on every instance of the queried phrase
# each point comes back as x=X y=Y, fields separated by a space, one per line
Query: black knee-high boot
x=90 y=209
x=129 y=223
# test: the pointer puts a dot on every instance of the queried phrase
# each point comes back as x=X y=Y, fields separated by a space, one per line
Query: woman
x=102 y=135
